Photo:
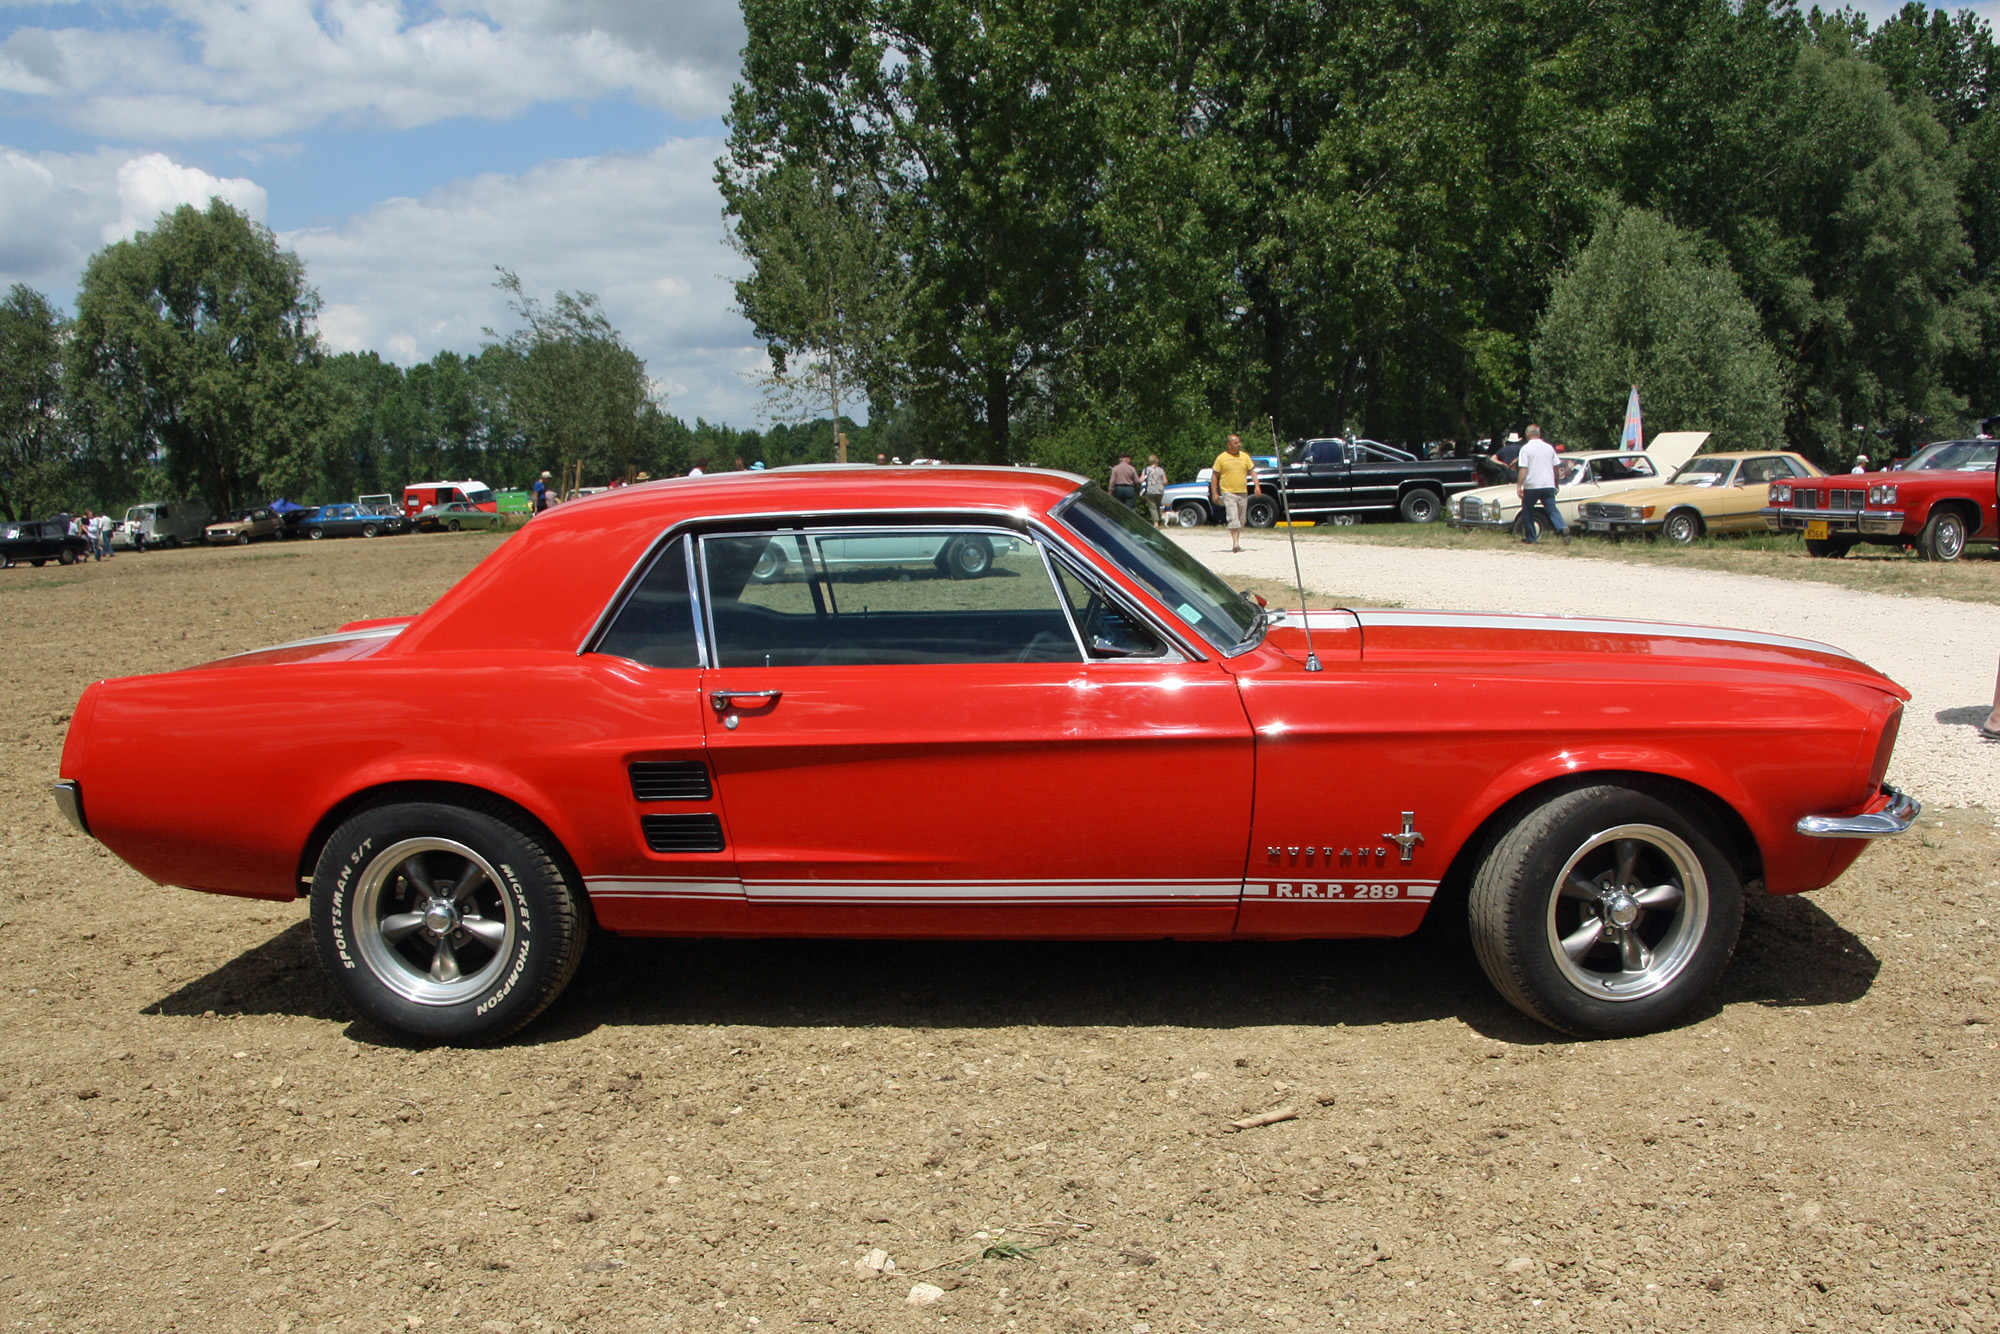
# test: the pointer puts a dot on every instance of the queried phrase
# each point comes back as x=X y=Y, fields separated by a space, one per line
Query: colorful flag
x=1635 y=434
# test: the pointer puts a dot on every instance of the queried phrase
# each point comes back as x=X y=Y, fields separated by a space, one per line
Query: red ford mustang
x=911 y=702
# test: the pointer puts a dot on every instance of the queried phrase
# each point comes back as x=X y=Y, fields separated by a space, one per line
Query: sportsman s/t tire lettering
x=446 y=922
x=1606 y=911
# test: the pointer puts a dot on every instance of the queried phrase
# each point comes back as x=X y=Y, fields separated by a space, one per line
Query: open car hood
x=1670 y=449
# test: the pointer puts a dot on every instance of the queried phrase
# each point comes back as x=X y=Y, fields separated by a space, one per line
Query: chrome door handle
x=722 y=700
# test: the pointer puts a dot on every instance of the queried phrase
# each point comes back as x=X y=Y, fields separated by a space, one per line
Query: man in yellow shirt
x=1230 y=484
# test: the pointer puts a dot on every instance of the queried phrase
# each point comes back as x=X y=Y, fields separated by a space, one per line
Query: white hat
x=1513 y=437
x=545 y=473
x=1861 y=458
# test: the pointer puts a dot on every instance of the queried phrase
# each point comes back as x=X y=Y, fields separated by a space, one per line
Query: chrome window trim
x=986 y=525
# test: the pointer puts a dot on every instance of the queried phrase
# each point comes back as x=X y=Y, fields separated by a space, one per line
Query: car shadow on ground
x=1791 y=954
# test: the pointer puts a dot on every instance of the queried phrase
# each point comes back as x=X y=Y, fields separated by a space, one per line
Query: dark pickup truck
x=38 y=541
x=1325 y=478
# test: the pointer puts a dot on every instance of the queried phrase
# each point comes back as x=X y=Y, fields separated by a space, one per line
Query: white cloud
x=56 y=209
x=153 y=184
x=411 y=277
x=262 y=69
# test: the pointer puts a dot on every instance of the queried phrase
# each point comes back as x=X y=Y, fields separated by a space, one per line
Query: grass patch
x=1871 y=569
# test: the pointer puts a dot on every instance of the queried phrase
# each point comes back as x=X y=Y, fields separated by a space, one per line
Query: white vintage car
x=1581 y=477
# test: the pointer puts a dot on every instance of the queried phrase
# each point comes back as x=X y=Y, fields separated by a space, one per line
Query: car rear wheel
x=1682 y=528
x=967 y=558
x=771 y=563
x=1606 y=911
x=445 y=922
x=1191 y=514
x=1943 y=538
x=1831 y=548
x=1421 y=506
x=315 y=532
x=66 y=557
x=453 y=525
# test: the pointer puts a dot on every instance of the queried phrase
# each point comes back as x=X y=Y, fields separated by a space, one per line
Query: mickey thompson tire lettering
x=446 y=922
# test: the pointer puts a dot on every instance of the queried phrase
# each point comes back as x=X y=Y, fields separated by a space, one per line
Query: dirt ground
x=196 y=1135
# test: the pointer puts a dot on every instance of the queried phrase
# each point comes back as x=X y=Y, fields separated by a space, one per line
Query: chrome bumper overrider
x=69 y=800
x=1901 y=812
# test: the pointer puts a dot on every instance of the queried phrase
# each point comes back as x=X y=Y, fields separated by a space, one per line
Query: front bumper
x=1882 y=523
x=1898 y=812
x=1784 y=519
x=1618 y=527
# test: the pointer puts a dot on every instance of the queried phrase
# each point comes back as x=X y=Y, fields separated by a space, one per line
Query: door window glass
x=656 y=625
x=882 y=596
x=1764 y=470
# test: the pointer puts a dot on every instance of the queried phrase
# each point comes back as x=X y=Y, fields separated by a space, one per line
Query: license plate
x=1597 y=526
x=1816 y=530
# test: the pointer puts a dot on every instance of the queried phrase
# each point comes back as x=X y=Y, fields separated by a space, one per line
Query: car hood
x=1667 y=493
x=1397 y=635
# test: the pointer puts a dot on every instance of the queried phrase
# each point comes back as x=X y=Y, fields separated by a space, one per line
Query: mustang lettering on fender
x=904 y=702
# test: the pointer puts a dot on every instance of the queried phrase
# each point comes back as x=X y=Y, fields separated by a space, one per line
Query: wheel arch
x=1740 y=842
x=446 y=793
x=1968 y=510
x=1692 y=511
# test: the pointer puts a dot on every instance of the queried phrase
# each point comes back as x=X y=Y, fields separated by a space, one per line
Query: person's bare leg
x=1991 y=727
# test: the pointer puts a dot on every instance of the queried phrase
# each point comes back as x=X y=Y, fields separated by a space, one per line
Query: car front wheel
x=369 y=530
x=445 y=922
x=1605 y=912
x=1262 y=512
x=315 y=532
x=1191 y=514
x=1682 y=528
x=1943 y=538
x=453 y=525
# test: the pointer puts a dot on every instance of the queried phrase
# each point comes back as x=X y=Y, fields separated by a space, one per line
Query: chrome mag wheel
x=1628 y=912
x=431 y=921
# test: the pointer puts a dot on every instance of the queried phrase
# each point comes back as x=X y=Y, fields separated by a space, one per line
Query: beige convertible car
x=1580 y=478
x=1712 y=493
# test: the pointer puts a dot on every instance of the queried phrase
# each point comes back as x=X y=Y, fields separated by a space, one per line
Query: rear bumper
x=69 y=800
x=1896 y=813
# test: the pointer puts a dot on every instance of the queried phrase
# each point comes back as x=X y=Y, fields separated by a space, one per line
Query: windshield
x=1704 y=472
x=1211 y=608
x=1955 y=456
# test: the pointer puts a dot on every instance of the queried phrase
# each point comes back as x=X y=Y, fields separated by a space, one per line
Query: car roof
x=547 y=584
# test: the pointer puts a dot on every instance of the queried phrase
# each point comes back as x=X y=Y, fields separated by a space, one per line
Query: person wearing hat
x=541 y=500
x=1860 y=463
x=1125 y=481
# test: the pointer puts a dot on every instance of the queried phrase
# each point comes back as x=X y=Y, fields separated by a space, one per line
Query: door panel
x=1007 y=799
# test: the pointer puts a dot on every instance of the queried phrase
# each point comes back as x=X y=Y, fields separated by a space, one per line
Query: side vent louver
x=682 y=833
x=671 y=780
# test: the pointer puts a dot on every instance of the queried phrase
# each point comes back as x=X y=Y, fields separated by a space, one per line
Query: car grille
x=1470 y=509
x=1598 y=509
x=682 y=833
x=1839 y=498
x=671 y=780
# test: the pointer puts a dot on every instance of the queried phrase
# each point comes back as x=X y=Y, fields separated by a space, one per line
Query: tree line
x=192 y=369
x=1050 y=230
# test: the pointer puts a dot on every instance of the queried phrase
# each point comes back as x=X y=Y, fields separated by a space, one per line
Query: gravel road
x=1943 y=652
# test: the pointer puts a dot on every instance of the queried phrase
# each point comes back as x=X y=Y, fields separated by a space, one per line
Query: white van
x=161 y=523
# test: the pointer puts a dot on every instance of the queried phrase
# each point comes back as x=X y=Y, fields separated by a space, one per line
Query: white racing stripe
x=967 y=893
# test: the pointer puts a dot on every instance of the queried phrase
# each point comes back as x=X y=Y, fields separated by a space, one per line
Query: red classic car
x=787 y=703
x=1943 y=499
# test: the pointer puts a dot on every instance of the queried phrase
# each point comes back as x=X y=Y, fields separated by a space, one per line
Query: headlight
x=1881 y=495
x=1780 y=494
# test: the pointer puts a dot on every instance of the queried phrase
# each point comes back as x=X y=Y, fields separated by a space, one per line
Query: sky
x=404 y=148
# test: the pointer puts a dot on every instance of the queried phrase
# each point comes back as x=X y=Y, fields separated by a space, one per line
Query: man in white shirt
x=1536 y=484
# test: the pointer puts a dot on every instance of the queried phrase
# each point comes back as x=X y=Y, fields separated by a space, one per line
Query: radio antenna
x=1292 y=533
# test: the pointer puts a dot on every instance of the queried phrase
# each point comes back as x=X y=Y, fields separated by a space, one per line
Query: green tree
x=575 y=389
x=35 y=445
x=825 y=291
x=1643 y=304
x=194 y=342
